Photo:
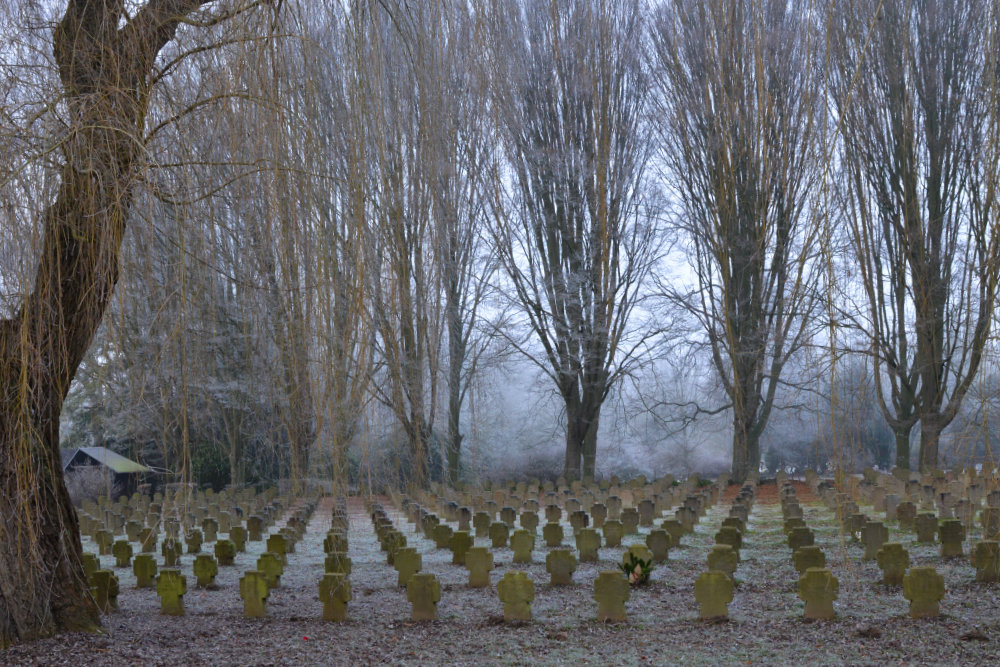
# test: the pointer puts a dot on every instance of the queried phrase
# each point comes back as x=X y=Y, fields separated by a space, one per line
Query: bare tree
x=738 y=107
x=575 y=236
x=107 y=64
x=915 y=88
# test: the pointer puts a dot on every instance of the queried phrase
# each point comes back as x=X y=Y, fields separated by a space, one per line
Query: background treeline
x=445 y=240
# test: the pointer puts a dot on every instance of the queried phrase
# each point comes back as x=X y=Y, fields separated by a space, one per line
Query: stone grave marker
x=818 y=588
x=481 y=523
x=171 y=586
x=516 y=591
x=144 y=569
x=808 y=556
x=951 y=534
x=272 y=566
x=714 y=591
x=986 y=555
x=658 y=542
x=611 y=591
x=461 y=542
x=800 y=537
x=926 y=525
x=599 y=514
x=508 y=515
x=123 y=553
x=730 y=536
x=675 y=529
x=614 y=505
x=552 y=533
x=579 y=519
x=255 y=528
x=906 y=514
x=210 y=528
x=723 y=558
x=989 y=519
x=893 y=560
x=553 y=513
x=147 y=541
x=278 y=545
x=646 y=509
x=225 y=552
x=560 y=564
x=104 y=539
x=588 y=541
x=613 y=533
x=442 y=536
x=170 y=549
x=873 y=536
x=334 y=593
x=205 y=569
x=424 y=592
x=522 y=542
x=529 y=521
x=407 y=563
x=479 y=561
x=924 y=588
x=193 y=540
x=254 y=591
x=132 y=530
x=337 y=562
x=630 y=521
x=499 y=534
x=104 y=588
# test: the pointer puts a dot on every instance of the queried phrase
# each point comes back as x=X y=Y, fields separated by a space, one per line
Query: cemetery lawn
x=765 y=625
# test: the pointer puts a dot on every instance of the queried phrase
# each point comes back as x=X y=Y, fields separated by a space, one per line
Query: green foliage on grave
x=636 y=569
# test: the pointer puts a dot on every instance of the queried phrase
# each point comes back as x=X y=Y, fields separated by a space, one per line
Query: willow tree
x=575 y=236
x=738 y=113
x=107 y=67
x=915 y=88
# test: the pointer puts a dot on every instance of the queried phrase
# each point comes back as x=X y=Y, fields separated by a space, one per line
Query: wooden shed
x=126 y=474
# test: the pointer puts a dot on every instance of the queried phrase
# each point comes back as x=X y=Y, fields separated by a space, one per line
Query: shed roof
x=105 y=457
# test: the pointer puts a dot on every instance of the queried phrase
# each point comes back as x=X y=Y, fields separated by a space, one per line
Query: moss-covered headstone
x=193 y=540
x=553 y=534
x=205 y=569
x=238 y=535
x=873 y=536
x=893 y=560
x=424 y=592
x=270 y=564
x=334 y=593
x=479 y=561
x=104 y=588
x=225 y=552
x=613 y=533
x=254 y=590
x=714 y=591
x=723 y=558
x=658 y=542
x=806 y=557
x=818 y=588
x=522 y=542
x=170 y=549
x=461 y=542
x=123 y=553
x=171 y=586
x=611 y=591
x=986 y=555
x=926 y=525
x=588 y=541
x=516 y=590
x=144 y=569
x=924 y=588
x=951 y=534
x=499 y=533
x=407 y=563
x=278 y=544
x=560 y=564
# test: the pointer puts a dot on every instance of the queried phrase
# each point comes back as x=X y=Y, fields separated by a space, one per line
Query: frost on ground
x=765 y=623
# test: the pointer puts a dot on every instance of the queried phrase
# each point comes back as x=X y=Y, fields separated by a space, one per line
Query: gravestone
x=614 y=505
x=588 y=541
x=479 y=561
x=442 y=536
x=646 y=509
x=508 y=515
x=277 y=544
x=808 y=556
x=104 y=589
x=989 y=519
x=599 y=514
x=893 y=560
x=924 y=588
x=987 y=561
x=461 y=542
x=926 y=525
x=522 y=542
x=730 y=536
x=560 y=564
x=271 y=565
x=499 y=534
x=424 y=592
x=675 y=529
x=132 y=530
x=553 y=534
x=951 y=533
x=254 y=591
x=613 y=532
x=873 y=536
x=800 y=537
x=123 y=553
x=210 y=528
x=407 y=563
x=170 y=549
x=334 y=593
x=193 y=540
x=516 y=590
x=104 y=539
x=255 y=528
x=906 y=513
x=723 y=558
x=481 y=523
x=579 y=519
x=337 y=562
x=205 y=569
x=658 y=542
x=225 y=552
x=144 y=569
x=238 y=536
x=818 y=588
x=714 y=591
x=171 y=586
x=630 y=521
x=529 y=521
x=553 y=513
x=147 y=541
x=611 y=591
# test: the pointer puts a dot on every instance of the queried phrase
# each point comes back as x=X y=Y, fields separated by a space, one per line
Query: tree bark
x=902 y=448
x=105 y=67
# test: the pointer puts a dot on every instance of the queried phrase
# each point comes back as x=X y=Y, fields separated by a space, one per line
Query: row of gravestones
x=516 y=590
x=923 y=587
x=171 y=585
x=713 y=589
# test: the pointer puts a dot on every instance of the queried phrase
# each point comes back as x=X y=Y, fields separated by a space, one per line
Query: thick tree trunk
x=902 y=448
x=574 y=446
x=105 y=65
x=930 y=440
